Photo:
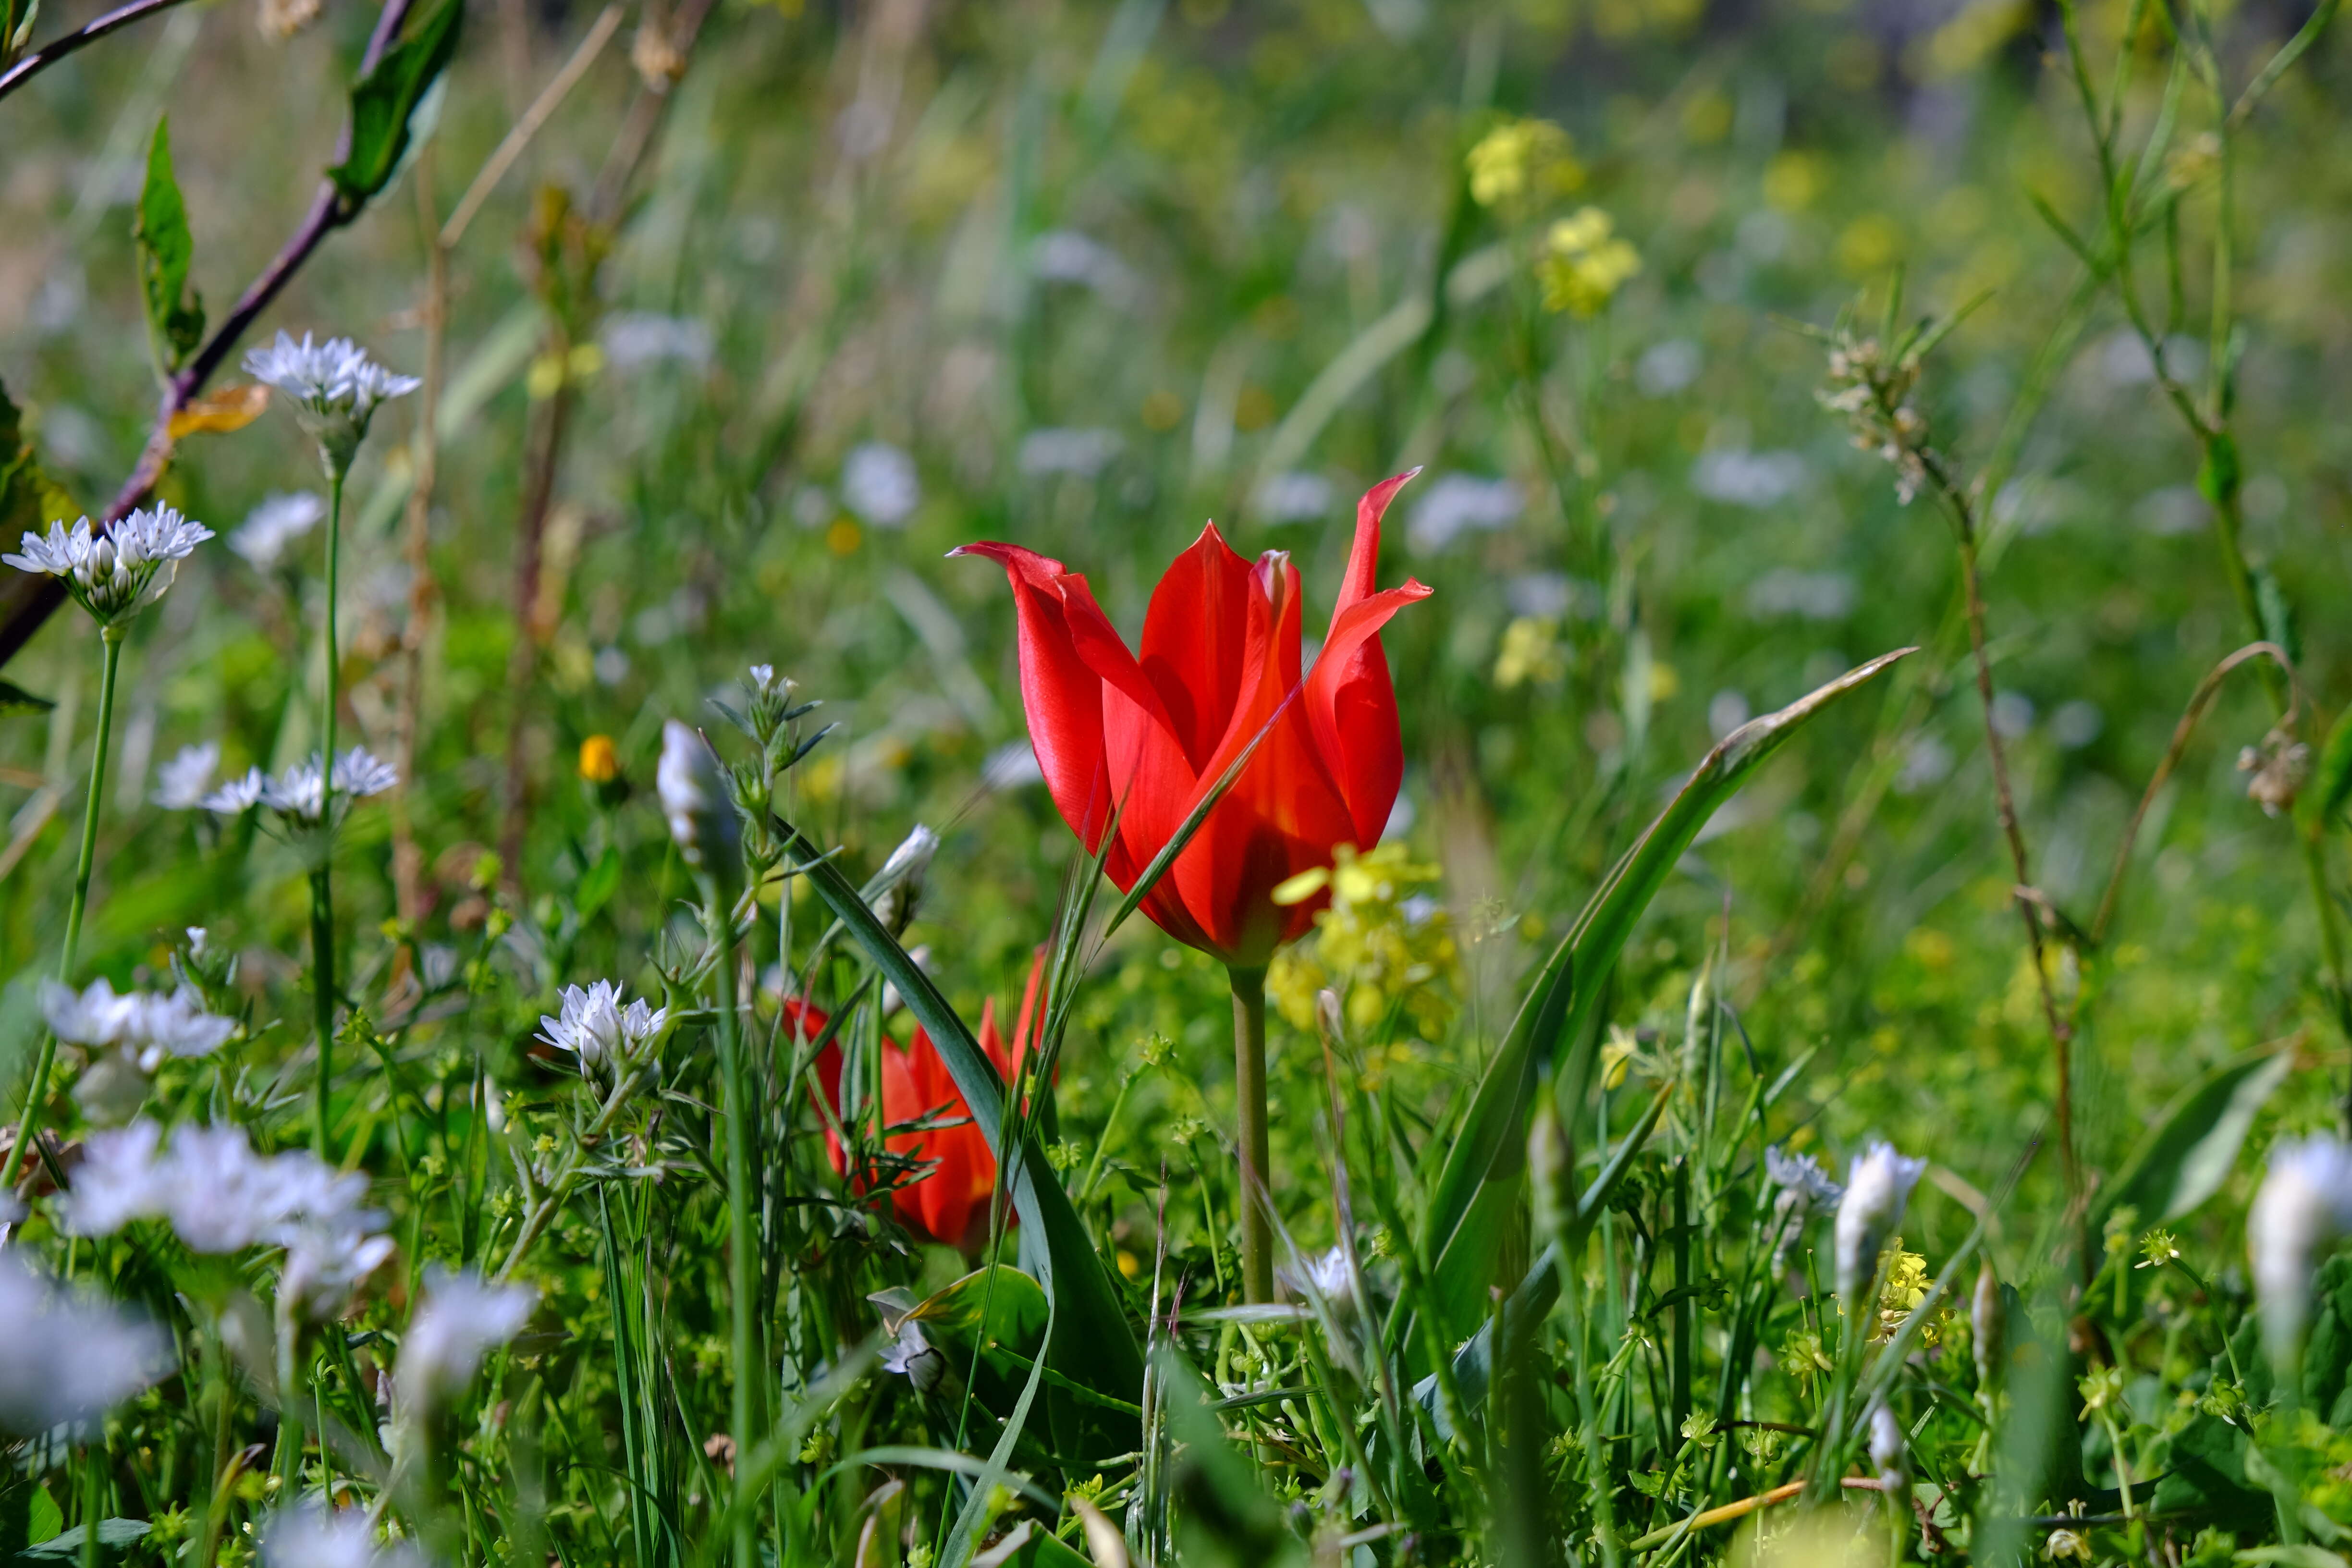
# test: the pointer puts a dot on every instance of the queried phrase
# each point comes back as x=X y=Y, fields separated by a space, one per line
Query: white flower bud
x=1877 y=1189
x=1886 y=1444
x=696 y=799
x=2305 y=1203
x=1988 y=1327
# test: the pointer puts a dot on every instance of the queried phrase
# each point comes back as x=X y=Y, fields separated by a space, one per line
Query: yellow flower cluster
x=1368 y=946
x=1531 y=652
x=1522 y=159
x=1584 y=263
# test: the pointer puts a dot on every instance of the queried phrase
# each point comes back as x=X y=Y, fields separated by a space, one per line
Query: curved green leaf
x=2186 y=1157
x=1092 y=1343
x=175 y=313
x=1478 y=1191
x=386 y=98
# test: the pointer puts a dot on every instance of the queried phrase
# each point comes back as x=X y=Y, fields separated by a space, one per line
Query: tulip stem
x=1249 y=1097
x=37 y=1088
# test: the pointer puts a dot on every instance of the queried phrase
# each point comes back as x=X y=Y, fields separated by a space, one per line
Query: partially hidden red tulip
x=1138 y=740
x=948 y=1202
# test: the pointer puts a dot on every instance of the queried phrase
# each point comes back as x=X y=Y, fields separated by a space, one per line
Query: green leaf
x=1092 y=1343
x=2277 y=614
x=67 y=1543
x=2219 y=474
x=2331 y=782
x=385 y=99
x=993 y=1319
x=15 y=699
x=1026 y=1546
x=175 y=313
x=1223 y=1515
x=2185 y=1158
x=1472 y=1212
x=46 y=1520
x=598 y=883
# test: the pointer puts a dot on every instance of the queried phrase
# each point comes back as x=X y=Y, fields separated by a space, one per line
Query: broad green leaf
x=2186 y=1157
x=2331 y=782
x=385 y=99
x=1028 y=1546
x=175 y=313
x=1222 y=1515
x=115 y=1533
x=15 y=699
x=1471 y=1214
x=46 y=1518
x=1092 y=1343
x=985 y=1315
x=598 y=883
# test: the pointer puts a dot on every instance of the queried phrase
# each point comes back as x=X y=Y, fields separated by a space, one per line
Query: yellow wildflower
x=1585 y=262
x=1377 y=945
x=1531 y=651
x=1520 y=159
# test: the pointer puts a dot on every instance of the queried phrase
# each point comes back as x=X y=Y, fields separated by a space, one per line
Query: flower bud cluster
x=336 y=389
x=113 y=574
x=1873 y=390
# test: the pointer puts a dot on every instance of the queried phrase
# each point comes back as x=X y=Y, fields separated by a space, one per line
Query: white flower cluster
x=115 y=573
x=220 y=1197
x=1877 y=1190
x=463 y=1319
x=182 y=783
x=299 y=794
x=67 y=1356
x=594 y=1025
x=1805 y=1188
x=336 y=389
x=2305 y=1203
x=274 y=525
x=149 y=1025
x=313 y=1537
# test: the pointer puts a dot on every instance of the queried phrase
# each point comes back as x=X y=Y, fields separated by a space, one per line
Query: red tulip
x=947 y=1203
x=1142 y=739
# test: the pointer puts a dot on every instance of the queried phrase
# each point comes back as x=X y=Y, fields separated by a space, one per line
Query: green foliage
x=175 y=312
x=385 y=100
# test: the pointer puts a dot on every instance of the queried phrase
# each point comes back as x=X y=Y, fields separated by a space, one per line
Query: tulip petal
x=1194 y=640
x=1364 y=556
x=1350 y=705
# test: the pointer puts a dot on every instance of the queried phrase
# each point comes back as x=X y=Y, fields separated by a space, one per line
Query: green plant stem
x=740 y=1236
x=93 y=1505
x=37 y=1089
x=322 y=894
x=1249 y=1133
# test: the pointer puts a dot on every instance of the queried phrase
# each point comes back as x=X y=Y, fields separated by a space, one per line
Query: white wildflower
x=878 y=482
x=1323 y=1276
x=1083 y=453
x=1293 y=498
x=1456 y=504
x=462 y=1319
x=594 y=1027
x=313 y=1537
x=93 y=1017
x=360 y=774
x=1876 y=1191
x=218 y=1194
x=300 y=793
x=181 y=783
x=2305 y=1205
x=1887 y=1445
x=274 y=525
x=325 y=1262
x=336 y=389
x=117 y=1181
x=65 y=1356
x=239 y=794
x=898 y=886
x=696 y=800
x=1805 y=1188
x=115 y=573
x=179 y=1025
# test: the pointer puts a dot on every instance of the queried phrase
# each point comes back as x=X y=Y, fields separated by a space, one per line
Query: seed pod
x=1551 y=1166
x=1988 y=1327
x=696 y=799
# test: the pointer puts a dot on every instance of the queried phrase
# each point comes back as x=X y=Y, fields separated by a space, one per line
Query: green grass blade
x=1477 y=1192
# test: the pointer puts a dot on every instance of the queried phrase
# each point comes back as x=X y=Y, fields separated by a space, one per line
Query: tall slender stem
x=748 y=1365
x=1249 y=1097
x=37 y=1089
x=322 y=892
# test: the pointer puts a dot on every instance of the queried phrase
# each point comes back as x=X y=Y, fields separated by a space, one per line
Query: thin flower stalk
x=37 y=1088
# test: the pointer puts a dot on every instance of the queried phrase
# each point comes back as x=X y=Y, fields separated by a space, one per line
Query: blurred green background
x=898 y=276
